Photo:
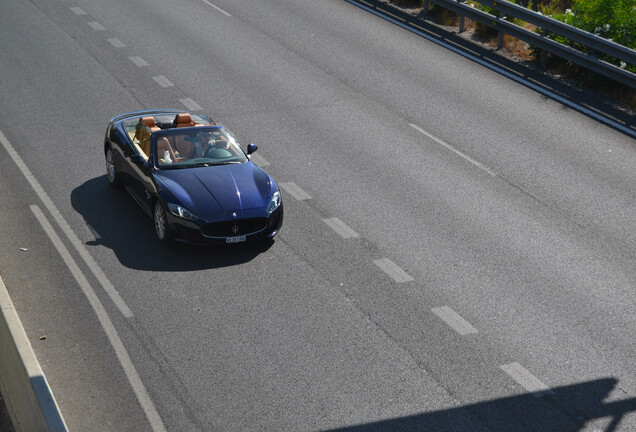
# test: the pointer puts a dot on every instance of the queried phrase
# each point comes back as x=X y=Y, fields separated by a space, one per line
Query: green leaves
x=610 y=19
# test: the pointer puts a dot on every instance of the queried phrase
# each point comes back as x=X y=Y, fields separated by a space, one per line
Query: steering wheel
x=215 y=152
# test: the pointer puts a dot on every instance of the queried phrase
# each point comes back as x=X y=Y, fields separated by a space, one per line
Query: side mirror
x=251 y=148
x=137 y=159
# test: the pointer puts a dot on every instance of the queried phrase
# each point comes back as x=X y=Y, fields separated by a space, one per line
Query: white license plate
x=236 y=239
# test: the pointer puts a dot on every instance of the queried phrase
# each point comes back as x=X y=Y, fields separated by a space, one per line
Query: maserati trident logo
x=235 y=229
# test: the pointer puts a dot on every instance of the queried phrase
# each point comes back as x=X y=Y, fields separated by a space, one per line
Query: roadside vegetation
x=611 y=19
x=614 y=20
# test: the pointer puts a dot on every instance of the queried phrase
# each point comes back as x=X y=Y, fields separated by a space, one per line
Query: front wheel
x=161 y=223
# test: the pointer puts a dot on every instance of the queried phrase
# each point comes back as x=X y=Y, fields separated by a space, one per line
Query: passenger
x=186 y=146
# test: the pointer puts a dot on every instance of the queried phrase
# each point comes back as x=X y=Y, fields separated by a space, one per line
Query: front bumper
x=191 y=232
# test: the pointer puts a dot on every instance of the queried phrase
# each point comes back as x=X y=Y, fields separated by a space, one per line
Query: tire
x=111 y=169
x=161 y=223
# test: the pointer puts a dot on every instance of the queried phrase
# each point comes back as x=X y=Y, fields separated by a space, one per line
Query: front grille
x=234 y=227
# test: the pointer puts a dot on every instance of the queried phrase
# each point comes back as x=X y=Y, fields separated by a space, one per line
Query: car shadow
x=567 y=409
x=118 y=223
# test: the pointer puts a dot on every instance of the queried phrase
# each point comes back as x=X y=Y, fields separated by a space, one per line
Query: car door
x=121 y=148
x=141 y=185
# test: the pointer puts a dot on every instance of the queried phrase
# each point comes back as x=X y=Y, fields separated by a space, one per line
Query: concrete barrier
x=24 y=388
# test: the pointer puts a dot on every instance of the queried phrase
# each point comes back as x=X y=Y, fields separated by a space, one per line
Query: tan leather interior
x=148 y=121
x=185 y=148
x=147 y=126
x=184 y=120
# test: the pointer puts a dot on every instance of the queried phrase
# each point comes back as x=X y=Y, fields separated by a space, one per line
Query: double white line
x=120 y=350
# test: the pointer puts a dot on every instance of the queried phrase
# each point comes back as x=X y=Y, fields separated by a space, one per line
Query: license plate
x=236 y=239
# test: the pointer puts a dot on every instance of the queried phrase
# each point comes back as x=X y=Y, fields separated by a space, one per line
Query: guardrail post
x=461 y=20
x=500 y=33
x=426 y=5
x=544 y=58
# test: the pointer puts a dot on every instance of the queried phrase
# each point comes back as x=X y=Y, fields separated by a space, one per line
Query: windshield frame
x=232 y=153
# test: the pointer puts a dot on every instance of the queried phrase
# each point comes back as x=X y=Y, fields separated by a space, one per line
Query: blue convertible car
x=192 y=177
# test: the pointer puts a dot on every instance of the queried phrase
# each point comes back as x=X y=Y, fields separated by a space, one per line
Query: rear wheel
x=111 y=170
x=161 y=223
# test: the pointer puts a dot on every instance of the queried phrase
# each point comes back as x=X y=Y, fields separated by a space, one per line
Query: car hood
x=225 y=189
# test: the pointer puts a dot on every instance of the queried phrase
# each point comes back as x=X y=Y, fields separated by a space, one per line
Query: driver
x=217 y=140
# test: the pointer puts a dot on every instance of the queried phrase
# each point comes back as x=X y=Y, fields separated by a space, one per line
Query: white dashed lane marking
x=116 y=43
x=138 y=61
x=78 y=10
x=294 y=190
x=393 y=270
x=163 y=81
x=340 y=227
x=217 y=8
x=190 y=104
x=526 y=380
x=454 y=150
x=259 y=160
x=96 y=26
x=456 y=322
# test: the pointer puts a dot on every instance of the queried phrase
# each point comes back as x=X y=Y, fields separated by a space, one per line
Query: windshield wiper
x=170 y=167
x=206 y=164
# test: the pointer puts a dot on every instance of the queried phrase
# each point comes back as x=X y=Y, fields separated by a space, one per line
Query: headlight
x=274 y=202
x=181 y=212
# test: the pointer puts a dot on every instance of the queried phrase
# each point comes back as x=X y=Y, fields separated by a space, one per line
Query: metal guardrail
x=595 y=43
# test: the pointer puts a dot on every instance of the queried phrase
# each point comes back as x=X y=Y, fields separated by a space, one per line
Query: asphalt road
x=479 y=273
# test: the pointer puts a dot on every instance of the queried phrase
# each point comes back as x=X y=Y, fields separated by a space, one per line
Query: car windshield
x=196 y=146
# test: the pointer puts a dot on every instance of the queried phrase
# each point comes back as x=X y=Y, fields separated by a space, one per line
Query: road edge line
x=66 y=228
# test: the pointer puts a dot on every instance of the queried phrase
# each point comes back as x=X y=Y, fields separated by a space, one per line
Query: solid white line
x=138 y=61
x=526 y=380
x=66 y=229
x=294 y=190
x=163 y=81
x=456 y=322
x=520 y=80
x=453 y=149
x=96 y=26
x=216 y=7
x=340 y=227
x=116 y=43
x=120 y=351
x=78 y=10
x=393 y=270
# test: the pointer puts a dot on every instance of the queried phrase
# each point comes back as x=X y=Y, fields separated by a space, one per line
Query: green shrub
x=484 y=29
x=550 y=7
x=611 y=19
